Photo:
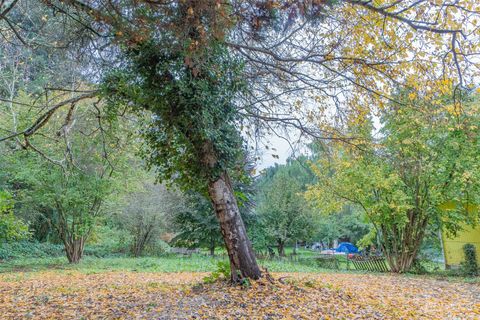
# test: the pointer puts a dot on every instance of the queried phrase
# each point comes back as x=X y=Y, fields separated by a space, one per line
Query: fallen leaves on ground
x=130 y=295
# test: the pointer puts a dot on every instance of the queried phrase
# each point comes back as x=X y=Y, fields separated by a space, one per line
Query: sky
x=283 y=151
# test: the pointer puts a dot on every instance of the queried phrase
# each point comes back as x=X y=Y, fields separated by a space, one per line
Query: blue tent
x=346 y=247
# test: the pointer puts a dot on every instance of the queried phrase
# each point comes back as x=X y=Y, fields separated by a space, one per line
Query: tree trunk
x=74 y=249
x=243 y=263
x=212 y=246
x=401 y=244
x=281 y=248
x=141 y=239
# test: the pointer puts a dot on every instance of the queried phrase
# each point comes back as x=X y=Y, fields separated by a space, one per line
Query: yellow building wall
x=453 y=246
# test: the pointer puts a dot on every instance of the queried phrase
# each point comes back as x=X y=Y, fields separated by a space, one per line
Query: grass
x=304 y=262
x=21 y=267
x=167 y=263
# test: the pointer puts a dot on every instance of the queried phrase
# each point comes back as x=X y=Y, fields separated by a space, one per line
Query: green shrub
x=101 y=251
x=223 y=270
x=156 y=248
x=418 y=267
x=107 y=241
x=11 y=228
x=470 y=267
x=28 y=249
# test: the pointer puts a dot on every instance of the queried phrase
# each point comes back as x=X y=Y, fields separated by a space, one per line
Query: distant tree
x=195 y=225
x=66 y=183
x=147 y=212
x=348 y=224
x=284 y=214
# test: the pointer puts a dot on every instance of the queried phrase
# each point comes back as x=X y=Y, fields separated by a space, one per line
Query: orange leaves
x=124 y=295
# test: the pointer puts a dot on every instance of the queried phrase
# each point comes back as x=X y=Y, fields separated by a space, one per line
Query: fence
x=369 y=263
x=357 y=262
x=327 y=261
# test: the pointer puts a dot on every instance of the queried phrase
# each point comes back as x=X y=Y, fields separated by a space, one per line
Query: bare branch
x=43 y=119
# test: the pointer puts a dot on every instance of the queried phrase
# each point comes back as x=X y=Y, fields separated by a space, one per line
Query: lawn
x=172 y=287
x=167 y=263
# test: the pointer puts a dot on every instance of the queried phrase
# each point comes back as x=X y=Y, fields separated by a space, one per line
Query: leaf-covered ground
x=133 y=295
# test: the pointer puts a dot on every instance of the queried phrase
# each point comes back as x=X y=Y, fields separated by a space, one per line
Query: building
x=453 y=245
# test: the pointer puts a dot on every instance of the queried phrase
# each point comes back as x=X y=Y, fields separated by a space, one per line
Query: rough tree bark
x=142 y=237
x=243 y=263
x=401 y=245
x=212 y=246
x=281 y=248
x=74 y=249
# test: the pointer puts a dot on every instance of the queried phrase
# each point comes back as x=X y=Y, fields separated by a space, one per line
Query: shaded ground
x=64 y=294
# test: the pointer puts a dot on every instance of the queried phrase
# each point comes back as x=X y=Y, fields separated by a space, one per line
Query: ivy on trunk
x=192 y=136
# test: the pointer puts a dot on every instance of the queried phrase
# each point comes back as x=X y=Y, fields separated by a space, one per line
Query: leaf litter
x=136 y=295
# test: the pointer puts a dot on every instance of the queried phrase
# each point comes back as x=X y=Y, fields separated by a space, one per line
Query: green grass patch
x=168 y=263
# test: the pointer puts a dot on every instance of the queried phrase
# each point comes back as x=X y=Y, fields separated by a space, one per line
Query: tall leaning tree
x=208 y=70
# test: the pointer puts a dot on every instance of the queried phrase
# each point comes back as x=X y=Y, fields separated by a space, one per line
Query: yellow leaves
x=132 y=295
x=329 y=56
x=409 y=36
x=466 y=176
x=298 y=105
x=445 y=86
x=412 y=81
x=453 y=109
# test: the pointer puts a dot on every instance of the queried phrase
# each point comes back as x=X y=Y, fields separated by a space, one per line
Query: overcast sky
x=283 y=151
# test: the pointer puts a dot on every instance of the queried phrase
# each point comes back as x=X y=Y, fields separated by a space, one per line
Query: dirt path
x=130 y=295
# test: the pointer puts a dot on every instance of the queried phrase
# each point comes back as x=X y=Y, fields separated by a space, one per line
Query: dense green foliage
x=30 y=249
x=470 y=266
x=71 y=201
x=11 y=228
x=284 y=214
x=191 y=135
x=197 y=225
x=346 y=225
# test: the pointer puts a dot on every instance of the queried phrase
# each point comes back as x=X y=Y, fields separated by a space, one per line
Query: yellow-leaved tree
x=421 y=158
